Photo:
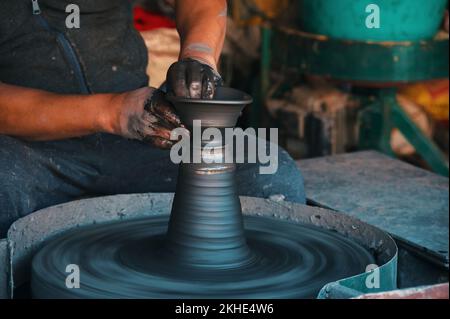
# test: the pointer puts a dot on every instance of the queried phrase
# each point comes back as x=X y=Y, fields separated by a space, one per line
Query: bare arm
x=40 y=115
x=201 y=25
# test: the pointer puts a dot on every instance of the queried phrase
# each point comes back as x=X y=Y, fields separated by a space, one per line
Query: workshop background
x=333 y=86
x=330 y=86
x=363 y=111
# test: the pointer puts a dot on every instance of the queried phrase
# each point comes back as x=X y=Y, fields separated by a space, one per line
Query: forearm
x=202 y=26
x=39 y=115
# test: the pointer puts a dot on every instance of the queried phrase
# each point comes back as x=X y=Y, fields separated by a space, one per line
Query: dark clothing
x=35 y=175
x=105 y=55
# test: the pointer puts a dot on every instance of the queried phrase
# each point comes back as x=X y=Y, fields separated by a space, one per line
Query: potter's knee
x=10 y=207
x=15 y=199
x=287 y=180
x=15 y=181
x=277 y=176
x=290 y=175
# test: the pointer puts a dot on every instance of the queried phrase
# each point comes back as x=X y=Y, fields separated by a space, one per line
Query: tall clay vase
x=206 y=226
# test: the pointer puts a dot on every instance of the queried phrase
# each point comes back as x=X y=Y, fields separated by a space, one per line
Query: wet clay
x=206 y=249
x=128 y=260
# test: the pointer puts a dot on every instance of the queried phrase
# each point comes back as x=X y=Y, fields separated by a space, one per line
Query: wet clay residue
x=206 y=250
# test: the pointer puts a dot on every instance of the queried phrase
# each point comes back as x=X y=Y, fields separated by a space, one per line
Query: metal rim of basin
x=28 y=234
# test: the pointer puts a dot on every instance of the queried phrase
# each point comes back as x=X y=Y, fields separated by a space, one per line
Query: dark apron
x=37 y=50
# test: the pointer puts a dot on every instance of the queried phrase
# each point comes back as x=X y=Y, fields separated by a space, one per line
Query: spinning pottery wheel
x=206 y=249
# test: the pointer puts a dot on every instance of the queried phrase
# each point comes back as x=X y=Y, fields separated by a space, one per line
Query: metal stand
x=379 y=65
x=390 y=115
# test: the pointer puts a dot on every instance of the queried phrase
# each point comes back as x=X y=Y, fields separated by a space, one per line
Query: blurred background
x=330 y=83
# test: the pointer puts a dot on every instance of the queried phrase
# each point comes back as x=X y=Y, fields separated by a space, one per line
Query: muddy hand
x=192 y=79
x=147 y=116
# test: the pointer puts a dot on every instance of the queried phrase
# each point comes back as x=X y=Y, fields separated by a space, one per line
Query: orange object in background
x=271 y=8
x=432 y=96
x=255 y=12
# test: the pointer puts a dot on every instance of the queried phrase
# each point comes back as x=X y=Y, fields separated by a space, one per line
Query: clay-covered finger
x=176 y=80
x=159 y=142
x=195 y=79
x=166 y=112
x=158 y=107
x=208 y=86
x=157 y=129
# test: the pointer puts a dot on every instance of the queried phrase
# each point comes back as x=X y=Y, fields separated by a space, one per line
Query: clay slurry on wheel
x=127 y=260
x=203 y=250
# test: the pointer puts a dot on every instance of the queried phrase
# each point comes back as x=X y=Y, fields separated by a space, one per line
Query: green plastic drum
x=399 y=20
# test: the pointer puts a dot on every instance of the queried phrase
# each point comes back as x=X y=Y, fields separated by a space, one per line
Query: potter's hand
x=192 y=79
x=145 y=115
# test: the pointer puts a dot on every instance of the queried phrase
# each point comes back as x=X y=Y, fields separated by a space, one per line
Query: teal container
x=400 y=20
